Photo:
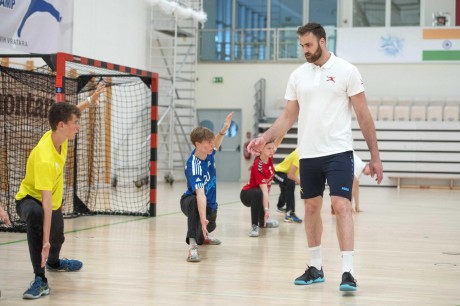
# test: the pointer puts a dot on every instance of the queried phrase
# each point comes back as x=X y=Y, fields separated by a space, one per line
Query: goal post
x=111 y=164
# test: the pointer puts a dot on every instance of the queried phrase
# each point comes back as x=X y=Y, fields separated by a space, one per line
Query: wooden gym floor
x=407 y=253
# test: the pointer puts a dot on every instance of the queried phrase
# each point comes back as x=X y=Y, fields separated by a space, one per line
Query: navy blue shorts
x=336 y=169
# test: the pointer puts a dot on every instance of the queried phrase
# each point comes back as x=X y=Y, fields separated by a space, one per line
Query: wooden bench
x=422 y=181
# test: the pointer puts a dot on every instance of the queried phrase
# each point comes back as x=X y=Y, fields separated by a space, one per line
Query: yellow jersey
x=45 y=171
x=290 y=160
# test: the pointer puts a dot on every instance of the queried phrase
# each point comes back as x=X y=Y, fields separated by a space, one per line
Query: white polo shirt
x=324 y=124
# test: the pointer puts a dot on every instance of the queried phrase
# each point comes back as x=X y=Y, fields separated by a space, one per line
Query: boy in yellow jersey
x=287 y=176
x=38 y=201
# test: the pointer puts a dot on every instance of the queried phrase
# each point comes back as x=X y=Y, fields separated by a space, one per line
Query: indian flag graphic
x=441 y=44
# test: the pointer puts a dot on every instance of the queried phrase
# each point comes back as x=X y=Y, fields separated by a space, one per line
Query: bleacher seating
x=402 y=113
x=451 y=113
x=385 y=113
x=418 y=113
x=434 y=113
x=415 y=153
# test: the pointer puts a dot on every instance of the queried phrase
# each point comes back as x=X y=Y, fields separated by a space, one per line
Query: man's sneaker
x=212 y=240
x=37 y=288
x=193 y=254
x=348 y=282
x=271 y=223
x=66 y=265
x=281 y=210
x=254 y=231
x=292 y=218
x=311 y=275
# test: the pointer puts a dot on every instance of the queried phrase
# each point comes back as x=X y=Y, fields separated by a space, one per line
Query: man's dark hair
x=62 y=111
x=314 y=28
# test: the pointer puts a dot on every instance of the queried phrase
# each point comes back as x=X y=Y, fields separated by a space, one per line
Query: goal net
x=110 y=166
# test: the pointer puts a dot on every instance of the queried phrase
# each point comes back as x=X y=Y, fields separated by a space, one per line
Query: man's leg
x=313 y=230
x=340 y=179
x=344 y=225
x=312 y=182
x=314 y=226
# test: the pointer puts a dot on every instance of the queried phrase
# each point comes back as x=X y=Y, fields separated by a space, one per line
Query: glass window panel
x=216 y=44
x=251 y=14
x=405 y=13
x=286 y=13
x=323 y=12
x=369 y=13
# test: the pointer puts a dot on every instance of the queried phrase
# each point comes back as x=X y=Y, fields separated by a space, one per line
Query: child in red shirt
x=255 y=193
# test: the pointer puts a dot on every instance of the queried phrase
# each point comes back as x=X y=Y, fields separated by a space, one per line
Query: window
x=261 y=30
x=323 y=11
x=286 y=13
x=381 y=13
x=369 y=13
x=247 y=30
x=405 y=13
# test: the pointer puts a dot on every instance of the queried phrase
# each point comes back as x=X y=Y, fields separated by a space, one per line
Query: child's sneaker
x=193 y=255
x=311 y=275
x=37 y=288
x=254 y=231
x=348 y=282
x=292 y=218
x=212 y=240
x=66 y=265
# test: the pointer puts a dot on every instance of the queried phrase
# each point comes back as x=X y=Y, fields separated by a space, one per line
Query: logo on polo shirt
x=330 y=78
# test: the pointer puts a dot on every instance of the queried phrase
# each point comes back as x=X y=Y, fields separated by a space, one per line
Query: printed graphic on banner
x=380 y=45
x=36 y=26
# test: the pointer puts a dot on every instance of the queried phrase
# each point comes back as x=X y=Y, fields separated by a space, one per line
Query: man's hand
x=376 y=168
x=45 y=253
x=255 y=146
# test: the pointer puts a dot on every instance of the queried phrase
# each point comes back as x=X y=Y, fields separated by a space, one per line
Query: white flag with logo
x=36 y=26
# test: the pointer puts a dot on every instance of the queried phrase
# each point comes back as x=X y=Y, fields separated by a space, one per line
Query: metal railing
x=260 y=44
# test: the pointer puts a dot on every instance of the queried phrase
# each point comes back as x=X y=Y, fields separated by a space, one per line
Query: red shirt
x=261 y=173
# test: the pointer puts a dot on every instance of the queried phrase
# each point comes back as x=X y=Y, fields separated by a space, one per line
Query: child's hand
x=228 y=121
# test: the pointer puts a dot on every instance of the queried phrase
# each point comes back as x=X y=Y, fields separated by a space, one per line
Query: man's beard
x=315 y=56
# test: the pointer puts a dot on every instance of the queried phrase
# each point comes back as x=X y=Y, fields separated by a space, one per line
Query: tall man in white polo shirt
x=320 y=94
